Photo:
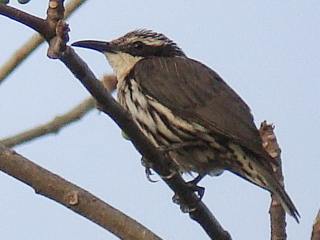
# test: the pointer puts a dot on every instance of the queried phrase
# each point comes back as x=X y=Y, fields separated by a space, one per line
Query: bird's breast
x=155 y=120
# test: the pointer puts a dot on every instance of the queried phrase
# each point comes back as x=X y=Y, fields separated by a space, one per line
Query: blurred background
x=268 y=51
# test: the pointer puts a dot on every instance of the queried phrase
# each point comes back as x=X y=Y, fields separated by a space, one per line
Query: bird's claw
x=197 y=189
x=192 y=185
x=147 y=165
x=148 y=175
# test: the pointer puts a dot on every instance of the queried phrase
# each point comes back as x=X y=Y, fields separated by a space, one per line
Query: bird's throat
x=121 y=63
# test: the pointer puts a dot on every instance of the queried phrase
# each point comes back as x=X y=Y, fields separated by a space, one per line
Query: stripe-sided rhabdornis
x=186 y=109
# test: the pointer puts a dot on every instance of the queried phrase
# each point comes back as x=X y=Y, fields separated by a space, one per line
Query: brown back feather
x=196 y=93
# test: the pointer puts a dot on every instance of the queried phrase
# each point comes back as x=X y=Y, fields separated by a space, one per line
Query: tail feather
x=274 y=186
x=260 y=172
x=286 y=202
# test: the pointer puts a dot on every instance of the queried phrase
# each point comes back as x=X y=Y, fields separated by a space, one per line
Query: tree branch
x=55 y=125
x=71 y=196
x=277 y=213
x=57 y=49
x=29 y=20
x=26 y=49
x=51 y=127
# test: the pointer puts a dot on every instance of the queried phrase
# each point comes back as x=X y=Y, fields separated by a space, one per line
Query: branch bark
x=58 y=49
x=277 y=213
x=71 y=196
x=26 y=49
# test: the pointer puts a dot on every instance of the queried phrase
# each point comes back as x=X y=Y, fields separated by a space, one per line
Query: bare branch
x=26 y=49
x=51 y=127
x=277 y=213
x=71 y=196
x=27 y=19
x=198 y=211
x=59 y=122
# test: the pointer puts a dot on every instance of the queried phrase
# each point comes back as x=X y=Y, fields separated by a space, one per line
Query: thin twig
x=26 y=49
x=51 y=127
x=59 y=122
x=277 y=213
x=71 y=196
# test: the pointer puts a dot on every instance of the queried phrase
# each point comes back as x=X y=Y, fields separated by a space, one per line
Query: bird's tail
x=261 y=173
x=274 y=186
x=278 y=190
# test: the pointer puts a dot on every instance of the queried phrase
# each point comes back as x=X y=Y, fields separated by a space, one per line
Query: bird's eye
x=138 y=45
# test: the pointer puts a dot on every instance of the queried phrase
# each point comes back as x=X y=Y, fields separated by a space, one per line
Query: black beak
x=99 y=46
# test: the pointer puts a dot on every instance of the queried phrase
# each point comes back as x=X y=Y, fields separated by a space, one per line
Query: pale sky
x=268 y=51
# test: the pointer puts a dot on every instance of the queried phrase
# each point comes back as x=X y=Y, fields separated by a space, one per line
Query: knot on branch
x=57 y=45
x=72 y=198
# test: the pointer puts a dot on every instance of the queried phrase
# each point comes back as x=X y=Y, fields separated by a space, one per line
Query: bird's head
x=124 y=52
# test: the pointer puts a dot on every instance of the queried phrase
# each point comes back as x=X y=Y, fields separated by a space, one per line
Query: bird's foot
x=149 y=174
x=197 y=179
x=148 y=170
x=147 y=164
x=196 y=189
x=193 y=187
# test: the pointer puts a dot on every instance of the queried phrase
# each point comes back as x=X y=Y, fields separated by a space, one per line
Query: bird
x=186 y=109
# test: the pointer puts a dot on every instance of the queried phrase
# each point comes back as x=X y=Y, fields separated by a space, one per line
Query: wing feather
x=195 y=92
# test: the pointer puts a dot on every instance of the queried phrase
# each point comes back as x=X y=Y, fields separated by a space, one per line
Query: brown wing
x=195 y=92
